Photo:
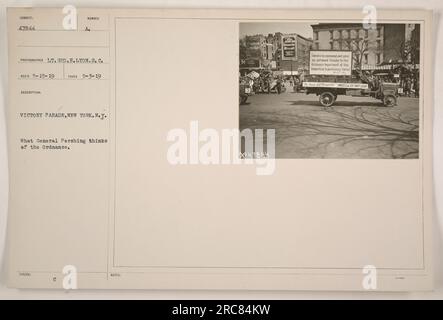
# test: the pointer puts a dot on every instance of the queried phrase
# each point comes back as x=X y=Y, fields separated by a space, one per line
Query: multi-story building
x=274 y=52
x=394 y=37
x=367 y=44
x=413 y=43
x=371 y=47
x=294 y=52
x=253 y=52
x=378 y=47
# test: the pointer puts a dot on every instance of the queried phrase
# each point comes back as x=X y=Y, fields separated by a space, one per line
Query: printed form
x=102 y=194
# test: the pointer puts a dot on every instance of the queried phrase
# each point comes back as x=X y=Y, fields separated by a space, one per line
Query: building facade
x=277 y=52
x=367 y=44
x=253 y=51
x=371 y=47
x=294 y=57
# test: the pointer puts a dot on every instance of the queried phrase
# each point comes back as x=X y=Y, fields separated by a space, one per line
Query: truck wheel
x=243 y=99
x=327 y=99
x=389 y=100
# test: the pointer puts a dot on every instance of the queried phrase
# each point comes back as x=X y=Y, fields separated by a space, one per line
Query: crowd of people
x=408 y=83
x=268 y=82
x=410 y=86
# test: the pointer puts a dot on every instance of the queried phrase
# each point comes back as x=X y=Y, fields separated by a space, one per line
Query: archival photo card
x=207 y=149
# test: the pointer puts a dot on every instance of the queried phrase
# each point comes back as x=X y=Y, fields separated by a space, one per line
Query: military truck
x=331 y=74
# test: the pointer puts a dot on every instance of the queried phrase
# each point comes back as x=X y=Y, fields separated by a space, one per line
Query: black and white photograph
x=332 y=90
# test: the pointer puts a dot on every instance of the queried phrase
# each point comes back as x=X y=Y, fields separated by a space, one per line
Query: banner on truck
x=335 y=63
x=352 y=85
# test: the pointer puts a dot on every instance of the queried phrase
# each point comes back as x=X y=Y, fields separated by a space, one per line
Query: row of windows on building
x=349 y=33
x=348 y=45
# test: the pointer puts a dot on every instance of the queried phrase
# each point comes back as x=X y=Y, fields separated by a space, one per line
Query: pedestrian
x=296 y=84
x=279 y=84
x=407 y=87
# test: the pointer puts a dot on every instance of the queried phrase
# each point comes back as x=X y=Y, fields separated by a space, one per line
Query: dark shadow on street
x=337 y=103
x=341 y=132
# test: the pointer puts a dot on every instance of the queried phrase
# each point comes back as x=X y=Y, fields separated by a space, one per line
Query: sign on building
x=289 y=47
x=330 y=62
x=249 y=63
x=253 y=47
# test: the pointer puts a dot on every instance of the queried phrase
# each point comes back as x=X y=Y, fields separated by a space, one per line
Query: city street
x=354 y=127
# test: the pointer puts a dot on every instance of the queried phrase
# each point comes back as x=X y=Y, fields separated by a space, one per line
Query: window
x=336 y=34
x=345 y=34
x=353 y=34
x=330 y=34
x=336 y=45
x=365 y=58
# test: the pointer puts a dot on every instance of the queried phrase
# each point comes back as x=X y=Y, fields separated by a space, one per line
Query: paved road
x=355 y=127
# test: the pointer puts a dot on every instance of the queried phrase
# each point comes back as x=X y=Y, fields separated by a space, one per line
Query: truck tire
x=243 y=99
x=389 y=100
x=327 y=99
